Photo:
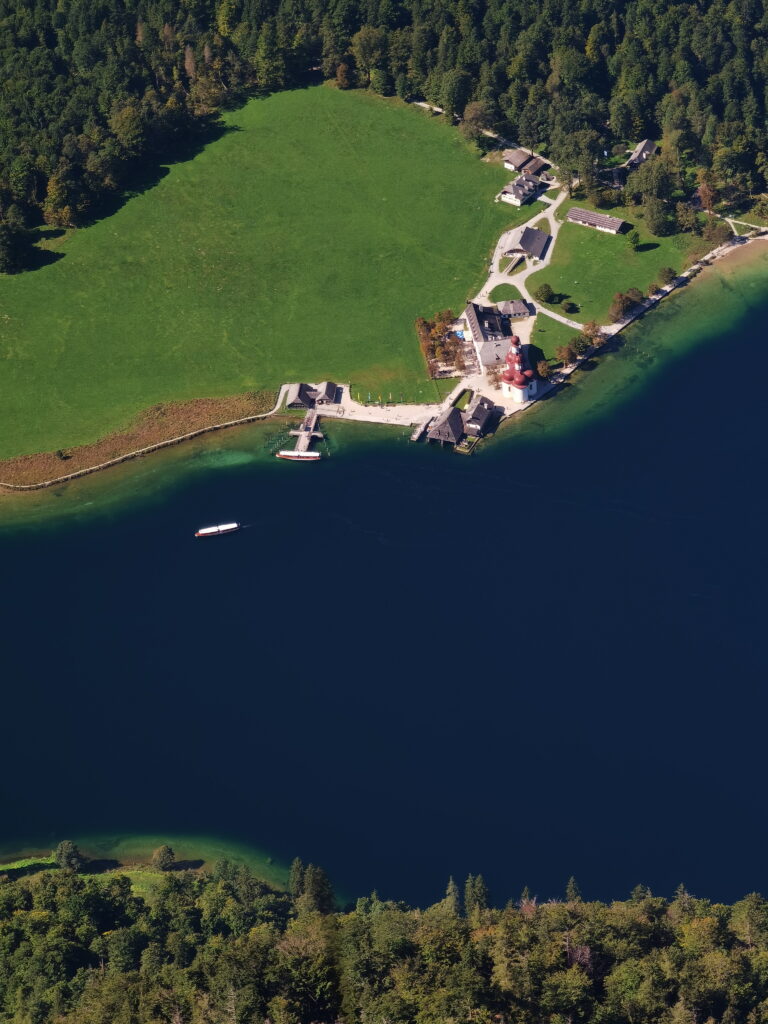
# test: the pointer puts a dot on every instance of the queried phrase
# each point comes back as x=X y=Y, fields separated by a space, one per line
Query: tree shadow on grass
x=99 y=866
x=535 y=355
x=147 y=173
x=37 y=258
x=187 y=865
x=647 y=247
x=29 y=869
x=143 y=176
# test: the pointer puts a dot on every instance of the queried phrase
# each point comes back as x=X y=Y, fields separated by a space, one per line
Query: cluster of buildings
x=453 y=425
x=312 y=396
x=518 y=382
x=498 y=347
x=529 y=183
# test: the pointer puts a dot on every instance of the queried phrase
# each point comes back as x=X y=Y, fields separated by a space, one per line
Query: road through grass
x=301 y=245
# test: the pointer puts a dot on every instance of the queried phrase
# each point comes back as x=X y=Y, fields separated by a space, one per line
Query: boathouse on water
x=448 y=428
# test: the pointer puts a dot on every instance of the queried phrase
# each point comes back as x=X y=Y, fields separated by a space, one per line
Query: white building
x=518 y=381
x=521 y=190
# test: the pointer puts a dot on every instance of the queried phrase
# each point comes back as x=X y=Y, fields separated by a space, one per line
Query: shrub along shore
x=162 y=425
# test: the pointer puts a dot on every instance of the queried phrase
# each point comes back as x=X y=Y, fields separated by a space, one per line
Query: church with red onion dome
x=518 y=381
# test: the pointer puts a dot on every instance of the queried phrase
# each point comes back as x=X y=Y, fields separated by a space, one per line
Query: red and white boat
x=214 y=531
x=294 y=456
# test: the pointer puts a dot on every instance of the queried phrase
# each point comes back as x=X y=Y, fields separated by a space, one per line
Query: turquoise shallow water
x=541 y=661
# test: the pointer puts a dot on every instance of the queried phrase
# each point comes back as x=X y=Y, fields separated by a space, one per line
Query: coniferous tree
x=452 y=899
x=296 y=878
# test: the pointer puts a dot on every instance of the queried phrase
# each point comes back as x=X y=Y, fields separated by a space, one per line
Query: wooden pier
x=421 y=428
x=305 y=435
x=307 y=431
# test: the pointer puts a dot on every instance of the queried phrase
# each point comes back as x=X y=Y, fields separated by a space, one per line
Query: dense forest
x=91 y=89
x=224 y=948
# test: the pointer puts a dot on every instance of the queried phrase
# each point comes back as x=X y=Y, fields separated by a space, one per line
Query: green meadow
x=589 y=267
x=505 y=292
x=548 y=335
x=300 y=245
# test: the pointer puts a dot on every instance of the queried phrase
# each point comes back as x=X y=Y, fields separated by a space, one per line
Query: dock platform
x=421 y=428
x=305 y=435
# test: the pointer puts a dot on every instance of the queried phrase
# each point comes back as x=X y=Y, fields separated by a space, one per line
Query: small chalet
x=448 y=428
x=477 y=415
x=308 y=396
x=515 y=309
x=490 y=333
x=528 y=242
x=516 y=159
x=641 y=152
x=599 y=221
x=521 y=190
x=536 y=165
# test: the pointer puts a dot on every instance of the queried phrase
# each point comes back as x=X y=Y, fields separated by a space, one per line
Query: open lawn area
x=588 y=267
x=505 y=293
x=547 y=335
x=301 y=245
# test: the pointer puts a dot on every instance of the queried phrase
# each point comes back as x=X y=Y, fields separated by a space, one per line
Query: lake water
x=543 y=660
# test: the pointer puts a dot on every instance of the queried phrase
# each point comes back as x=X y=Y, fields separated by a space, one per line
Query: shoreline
x=132 y=853
x=239 y=403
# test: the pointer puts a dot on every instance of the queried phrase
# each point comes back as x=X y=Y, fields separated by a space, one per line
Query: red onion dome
x=515 y=378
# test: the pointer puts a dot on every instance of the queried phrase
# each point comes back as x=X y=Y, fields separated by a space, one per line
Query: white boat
x=214 y=531
x=294 y=456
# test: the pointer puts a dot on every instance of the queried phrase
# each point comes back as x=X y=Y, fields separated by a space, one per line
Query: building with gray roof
x=516 y=159
x=477 y=415
x=448 y=428
x=641 y=152
x=515 y=309
x=536 y=165
x=490 y=333
x=521 y=190
x=528 y=242
x=307 y=396
x=600 y=221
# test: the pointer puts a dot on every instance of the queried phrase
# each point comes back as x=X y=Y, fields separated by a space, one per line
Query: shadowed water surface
x=541 y=661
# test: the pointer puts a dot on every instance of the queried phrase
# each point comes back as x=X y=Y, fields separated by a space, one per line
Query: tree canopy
x=92 y=91
x=225 y=947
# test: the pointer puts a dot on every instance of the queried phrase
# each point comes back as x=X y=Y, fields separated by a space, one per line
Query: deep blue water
x=545 y=660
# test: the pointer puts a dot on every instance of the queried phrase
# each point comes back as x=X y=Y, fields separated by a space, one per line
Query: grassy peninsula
x=300 y=245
